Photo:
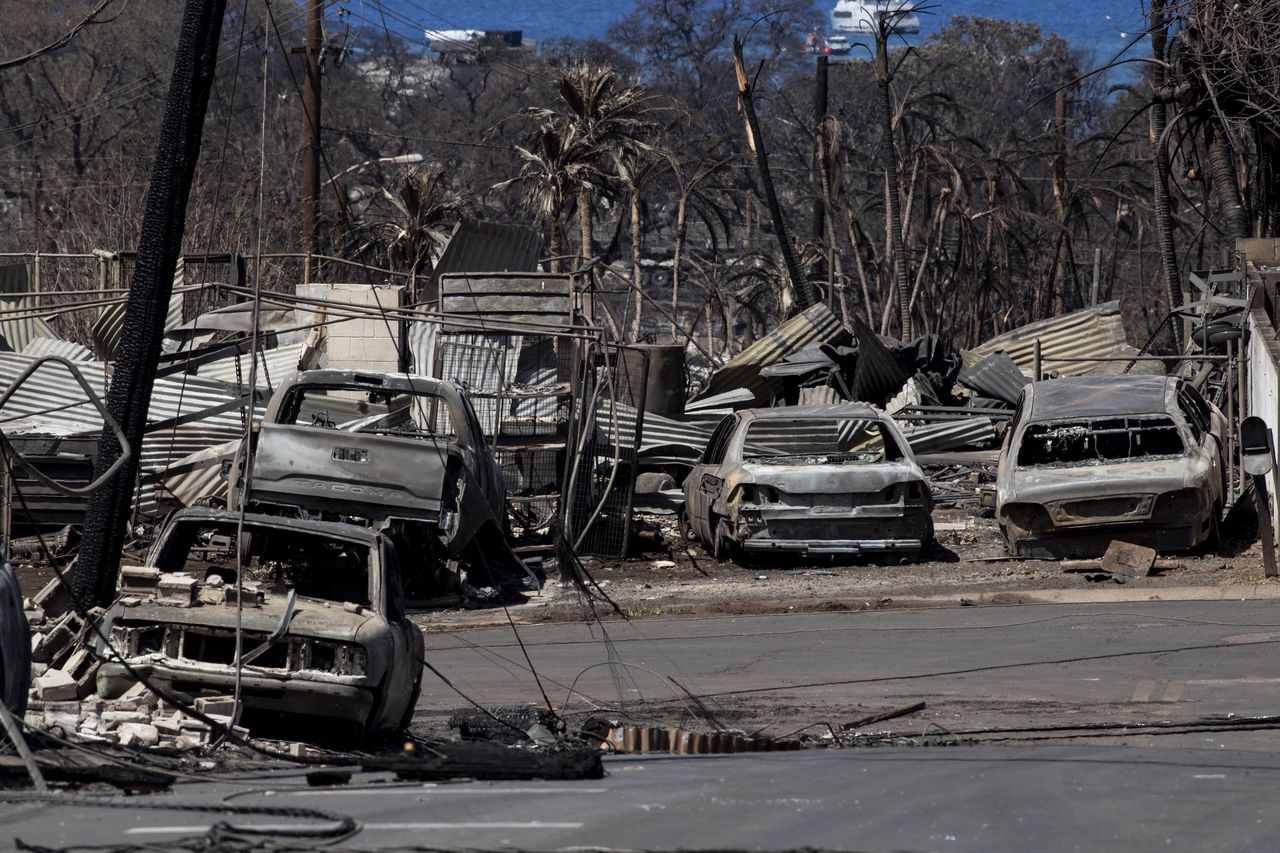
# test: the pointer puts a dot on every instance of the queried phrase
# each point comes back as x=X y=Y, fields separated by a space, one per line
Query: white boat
x=859 y=17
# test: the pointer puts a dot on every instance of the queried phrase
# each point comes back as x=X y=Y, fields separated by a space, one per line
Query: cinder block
x=55 y=686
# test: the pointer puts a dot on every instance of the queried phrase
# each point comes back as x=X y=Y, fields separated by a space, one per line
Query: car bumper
x=1086 y=542
x=833 y=547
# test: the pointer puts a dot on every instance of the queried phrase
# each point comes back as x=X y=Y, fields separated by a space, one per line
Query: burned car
x=1089 y=459
x=324 y=633
x=831 y=481
x=402 y=453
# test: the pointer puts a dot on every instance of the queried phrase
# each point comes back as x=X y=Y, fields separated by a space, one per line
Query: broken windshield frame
x=1100 y=441
x=401 y=414
x=820 y=440
x=314 y=566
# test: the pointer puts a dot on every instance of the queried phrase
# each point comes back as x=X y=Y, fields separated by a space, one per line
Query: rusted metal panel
x=506 y=297
x=817 y=324
x=1091 y=332
x=996 y=376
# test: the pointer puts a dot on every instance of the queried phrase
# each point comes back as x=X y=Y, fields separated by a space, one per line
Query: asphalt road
x=973 y=666
x=1027 y=666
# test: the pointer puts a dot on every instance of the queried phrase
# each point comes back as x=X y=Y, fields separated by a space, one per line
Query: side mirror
x=987 y=497
x=1257 y=454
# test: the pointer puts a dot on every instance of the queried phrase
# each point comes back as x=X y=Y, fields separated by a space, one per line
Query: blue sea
x=1100 y=27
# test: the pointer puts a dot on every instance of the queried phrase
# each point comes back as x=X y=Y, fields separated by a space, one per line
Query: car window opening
x=1099 y=441
x=403 y=415
x=315 y=566
x=820 y=441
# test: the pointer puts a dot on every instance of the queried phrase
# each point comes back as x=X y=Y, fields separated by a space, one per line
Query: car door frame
x=702 y=488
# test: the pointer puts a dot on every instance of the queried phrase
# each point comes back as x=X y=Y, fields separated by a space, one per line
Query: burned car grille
x=201 y=644
x=213 y=646
x=1122 y=507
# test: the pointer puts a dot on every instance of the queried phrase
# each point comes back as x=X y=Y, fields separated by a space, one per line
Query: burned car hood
x=1148 y=476
x=828 y=478
x=312 y=617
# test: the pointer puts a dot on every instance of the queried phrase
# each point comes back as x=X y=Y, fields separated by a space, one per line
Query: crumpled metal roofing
x=106 y=329
x=1096 y=331
x=42 y=346
x=996 y=376
x=51 y=402
x=950 y=435
x=273 y=366
x=815 y=325
x=20 y=330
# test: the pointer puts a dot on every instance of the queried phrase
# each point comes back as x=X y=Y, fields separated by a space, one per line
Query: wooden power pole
x=311 y=138
x=163 y=223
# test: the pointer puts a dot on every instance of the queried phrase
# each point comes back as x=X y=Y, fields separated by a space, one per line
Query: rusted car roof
x=1093 y=396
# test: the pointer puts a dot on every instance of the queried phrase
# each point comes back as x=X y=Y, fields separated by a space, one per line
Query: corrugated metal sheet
x=950 y=435
x=42 y=346
x=877 y=376
x=51 y=402
x=823 y=395
x=21 y=330
x=106 y=329
x=484 y=247
x=815 y=325
x=996 y=376
x=273 y=366
x=1092 y=332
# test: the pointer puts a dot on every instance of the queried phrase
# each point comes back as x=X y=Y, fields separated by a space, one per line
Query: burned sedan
x=1089 y=459
x=324 y=634
x=830 y=481
x=402 y=453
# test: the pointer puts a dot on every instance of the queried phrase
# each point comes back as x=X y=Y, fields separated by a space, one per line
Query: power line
x=62 y=40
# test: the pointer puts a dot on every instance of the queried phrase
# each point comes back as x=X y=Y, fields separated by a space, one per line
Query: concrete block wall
x=367 y=343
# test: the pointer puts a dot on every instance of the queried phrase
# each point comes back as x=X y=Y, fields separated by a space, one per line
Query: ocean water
x=1100 y=27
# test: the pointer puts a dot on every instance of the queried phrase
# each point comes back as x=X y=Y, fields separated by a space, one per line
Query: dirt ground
x=664 y=576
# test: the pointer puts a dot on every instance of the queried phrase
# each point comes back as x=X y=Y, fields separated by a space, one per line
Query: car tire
x=722 y=547
x=685 y=528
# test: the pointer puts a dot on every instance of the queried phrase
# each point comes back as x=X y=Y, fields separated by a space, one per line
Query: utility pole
x=800 y=286
x=164 y=219
x=819 y=152
x=311 y=138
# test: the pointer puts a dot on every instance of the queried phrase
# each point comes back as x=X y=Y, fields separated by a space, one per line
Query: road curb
x=1231 y=592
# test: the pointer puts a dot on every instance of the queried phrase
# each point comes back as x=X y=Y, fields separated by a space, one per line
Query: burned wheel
x=722 y=546
x=685 y=528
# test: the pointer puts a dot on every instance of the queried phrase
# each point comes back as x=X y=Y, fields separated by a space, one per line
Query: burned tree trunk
x=889 y=154
x=163 y=222
x=1226 y=185
x=800 y=286
x=1163 y=214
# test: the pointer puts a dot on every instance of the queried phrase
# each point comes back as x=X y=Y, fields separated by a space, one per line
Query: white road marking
x=366 y=827
x=1209 y=776
x=1173 y=692
x=432 y=789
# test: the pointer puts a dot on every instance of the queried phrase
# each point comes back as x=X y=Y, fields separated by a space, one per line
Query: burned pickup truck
x=1089 y=459
x=324 y=633
x=809 y=481
x=403 y=454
